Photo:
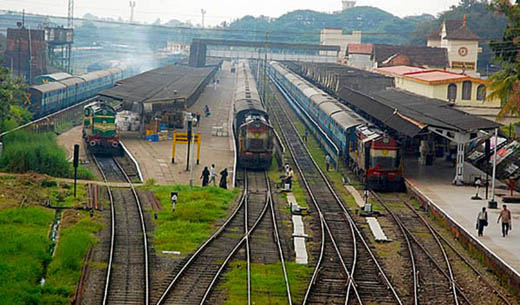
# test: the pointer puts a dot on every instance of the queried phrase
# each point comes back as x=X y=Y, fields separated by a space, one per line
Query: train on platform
x=254 y=135
x=54 y=96
x=99 y=129
x=368 y=151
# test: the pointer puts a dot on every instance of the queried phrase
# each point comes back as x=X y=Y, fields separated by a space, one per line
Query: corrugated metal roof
x=48 y=87
x=162 y=84
x=71 y=81
x=400 y=110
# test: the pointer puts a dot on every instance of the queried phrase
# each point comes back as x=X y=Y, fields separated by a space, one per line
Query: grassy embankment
x=193 y=220
x=25 y=152
x=25 y=249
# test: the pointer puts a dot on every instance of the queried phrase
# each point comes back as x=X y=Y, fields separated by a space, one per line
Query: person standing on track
x=482 y=221
x=289 y=178
x=505 y=215
x=205 y=176
x=212 y=175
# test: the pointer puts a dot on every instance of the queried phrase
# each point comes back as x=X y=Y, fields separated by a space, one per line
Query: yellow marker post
x=182 y=138
x=173 y=146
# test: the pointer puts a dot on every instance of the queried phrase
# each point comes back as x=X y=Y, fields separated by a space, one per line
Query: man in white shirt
x=212 y=175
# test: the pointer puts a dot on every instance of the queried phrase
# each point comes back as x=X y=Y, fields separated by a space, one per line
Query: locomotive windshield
x=383 y=159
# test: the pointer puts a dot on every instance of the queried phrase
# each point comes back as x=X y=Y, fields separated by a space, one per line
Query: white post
x=191 y=155
x=493 y=204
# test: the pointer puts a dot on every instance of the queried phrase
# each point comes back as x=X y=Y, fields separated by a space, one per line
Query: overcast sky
x=217 y=10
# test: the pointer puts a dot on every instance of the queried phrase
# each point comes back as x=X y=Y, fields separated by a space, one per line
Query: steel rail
x=246 y=232
x=408 y=243
x=324 y=224
x=429 y=255
x=347 y=213
x=233 y=252
x=143 y=229
x=112 y=232
x=200 y=249
x=446 y=259
x=278 y=243
x=478 y=273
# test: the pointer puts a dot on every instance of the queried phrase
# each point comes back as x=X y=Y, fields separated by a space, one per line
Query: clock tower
x=461 y=43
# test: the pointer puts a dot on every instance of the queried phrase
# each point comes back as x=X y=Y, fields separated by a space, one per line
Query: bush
x=25 y=151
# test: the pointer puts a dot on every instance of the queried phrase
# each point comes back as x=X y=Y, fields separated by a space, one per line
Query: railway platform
x=434 y=184
x=71 y=137
x=154 y=158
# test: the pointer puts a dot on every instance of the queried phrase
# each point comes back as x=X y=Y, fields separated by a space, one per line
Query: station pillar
x=460 y=139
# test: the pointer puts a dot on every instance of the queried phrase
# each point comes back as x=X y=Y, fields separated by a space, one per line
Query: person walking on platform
x=327 y=161
x=223 y=178
x=505 y=215
x=198 y=118
x=205 y=176
x=482 y=221
x=206 y=110
x=212 y=174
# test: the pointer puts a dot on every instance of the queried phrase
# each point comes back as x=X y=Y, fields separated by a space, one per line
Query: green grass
x=192 y=222
x=23 y=252
x=64 y=271
x=26 y=151
x=267 y=283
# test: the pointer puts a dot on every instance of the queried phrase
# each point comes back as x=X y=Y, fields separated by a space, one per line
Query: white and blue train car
x=60 y=94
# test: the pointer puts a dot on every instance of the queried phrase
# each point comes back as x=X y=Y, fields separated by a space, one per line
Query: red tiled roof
x=359 y=48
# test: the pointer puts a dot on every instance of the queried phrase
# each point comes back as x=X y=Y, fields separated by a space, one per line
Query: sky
x=216 y=10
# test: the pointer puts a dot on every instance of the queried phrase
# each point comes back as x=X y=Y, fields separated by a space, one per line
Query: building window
x=452 y=92
x=466 y=90
x=481 y=92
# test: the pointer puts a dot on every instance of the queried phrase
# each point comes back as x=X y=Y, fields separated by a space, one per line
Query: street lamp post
x=492 y=204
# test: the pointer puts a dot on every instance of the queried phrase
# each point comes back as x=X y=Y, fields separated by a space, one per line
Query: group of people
x=505 y=216
x=210 y=176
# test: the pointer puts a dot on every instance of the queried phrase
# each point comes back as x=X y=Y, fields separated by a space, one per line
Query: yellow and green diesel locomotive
x=99 y=129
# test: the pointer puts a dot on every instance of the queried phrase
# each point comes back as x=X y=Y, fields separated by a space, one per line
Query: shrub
x=25 y=151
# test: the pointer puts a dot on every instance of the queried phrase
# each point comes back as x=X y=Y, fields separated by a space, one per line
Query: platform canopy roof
x=169 y=83
x=409 y=113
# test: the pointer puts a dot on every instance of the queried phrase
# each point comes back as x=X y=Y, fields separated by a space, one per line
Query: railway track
x=436 y=279
x=196 y=278
x=127 y=275
x=347 y=271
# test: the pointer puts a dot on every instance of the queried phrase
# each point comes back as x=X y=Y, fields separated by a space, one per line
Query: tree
x=12 y=93
x=506 y=83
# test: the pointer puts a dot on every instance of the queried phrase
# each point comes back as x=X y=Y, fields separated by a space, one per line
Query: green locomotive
x=99 y=129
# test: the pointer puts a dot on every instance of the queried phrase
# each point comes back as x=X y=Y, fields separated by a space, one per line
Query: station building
x=462 y=91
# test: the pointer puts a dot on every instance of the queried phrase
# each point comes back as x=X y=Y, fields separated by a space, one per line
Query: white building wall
x=335 y=37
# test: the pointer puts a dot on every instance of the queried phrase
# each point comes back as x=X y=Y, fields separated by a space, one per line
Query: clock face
x=463 y=51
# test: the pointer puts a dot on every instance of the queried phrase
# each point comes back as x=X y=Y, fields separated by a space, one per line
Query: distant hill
x=367 y=19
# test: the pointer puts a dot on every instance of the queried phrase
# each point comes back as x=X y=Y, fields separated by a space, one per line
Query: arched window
x=481 y=92
x=466 y=90
x=452 y=92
